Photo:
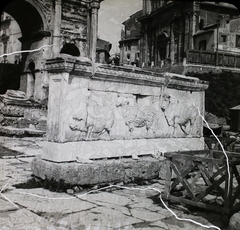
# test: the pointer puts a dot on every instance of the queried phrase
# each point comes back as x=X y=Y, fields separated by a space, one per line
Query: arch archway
x=71 y=49
x=30 y=19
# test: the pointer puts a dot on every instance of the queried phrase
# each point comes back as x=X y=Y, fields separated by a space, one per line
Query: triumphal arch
x=58 y=26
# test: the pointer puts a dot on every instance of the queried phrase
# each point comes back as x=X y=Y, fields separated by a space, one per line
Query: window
x=223 y=38
x=203 y=45
x=238 y=41
x=201 y=24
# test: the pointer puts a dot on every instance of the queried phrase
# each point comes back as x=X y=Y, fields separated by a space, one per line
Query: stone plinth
x=98 y=172
x=106 y=111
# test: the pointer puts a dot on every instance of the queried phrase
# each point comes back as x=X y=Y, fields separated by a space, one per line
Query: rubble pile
x=18 y=113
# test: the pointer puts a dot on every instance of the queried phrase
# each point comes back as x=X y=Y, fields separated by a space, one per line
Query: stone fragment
x=135 y=157
x=76 y=189
x=209 y=199
x=70 y=191
x=234 y=222
x=6 y=206
x=219 y=200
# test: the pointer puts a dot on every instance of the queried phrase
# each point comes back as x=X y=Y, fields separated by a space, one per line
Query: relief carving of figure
x=179 y=114
x=136 y=116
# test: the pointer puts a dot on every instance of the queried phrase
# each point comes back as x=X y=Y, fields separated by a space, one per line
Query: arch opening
x=70 y=49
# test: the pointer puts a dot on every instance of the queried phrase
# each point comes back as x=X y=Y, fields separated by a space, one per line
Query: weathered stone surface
x=45 y=201
x=101 y=171
x=24 y=219
x=100 y=218
x=70 y=151
x=106 y=198
x=20 y=132
x=234 y=223
x=152 y=216
x=6 y=206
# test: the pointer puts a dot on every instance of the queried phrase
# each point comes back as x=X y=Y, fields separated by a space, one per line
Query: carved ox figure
x=179 y=114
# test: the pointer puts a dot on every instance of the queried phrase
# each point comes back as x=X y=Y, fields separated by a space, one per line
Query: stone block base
x=71 y=151
x=98 y=171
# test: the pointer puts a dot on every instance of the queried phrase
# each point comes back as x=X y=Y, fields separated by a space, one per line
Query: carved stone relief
x=46 y=7
x=136 y=116
x=122 y=116
x=99 y=120
x=180 y=114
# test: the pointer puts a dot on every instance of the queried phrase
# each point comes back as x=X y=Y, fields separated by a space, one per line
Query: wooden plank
x=197 y=204
x=173 y=154
x=236 y=173
x=210 y=180
x=228 y=188
x=235 y=196
x=205 y=177
x=168 y=177
x=198 y=158
x=183 y=174
x=235 y=154
x=183 y=181
x=215 y=184
x=210 y=164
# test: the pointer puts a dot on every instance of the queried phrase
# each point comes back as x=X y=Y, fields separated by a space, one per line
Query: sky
x=111 y=15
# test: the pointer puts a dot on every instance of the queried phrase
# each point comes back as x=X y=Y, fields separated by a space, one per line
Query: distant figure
x=152 y=64
x=162 y=63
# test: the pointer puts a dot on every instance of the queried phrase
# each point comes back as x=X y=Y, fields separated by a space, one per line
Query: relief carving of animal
x=136 y=116
x=178 y=114
x=97 y=123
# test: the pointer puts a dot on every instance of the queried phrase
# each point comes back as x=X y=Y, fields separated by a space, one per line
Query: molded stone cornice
x=141 y=77
x=95 y=4
x=68 y=64
x=59 y=65
x=83 y=67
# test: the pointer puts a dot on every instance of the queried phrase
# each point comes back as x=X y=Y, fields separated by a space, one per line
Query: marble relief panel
x=116 y=116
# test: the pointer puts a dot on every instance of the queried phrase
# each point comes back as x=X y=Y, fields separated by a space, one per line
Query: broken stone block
x=70 y=191
x=234 y=222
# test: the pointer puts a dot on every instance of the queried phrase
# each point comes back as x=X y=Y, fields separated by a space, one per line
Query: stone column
x=172 y=49
x=95 y=5
x=57 y=27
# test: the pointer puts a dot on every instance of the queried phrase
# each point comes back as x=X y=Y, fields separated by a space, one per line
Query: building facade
x=170 y=29
x=130 y=40
x=102 y=51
